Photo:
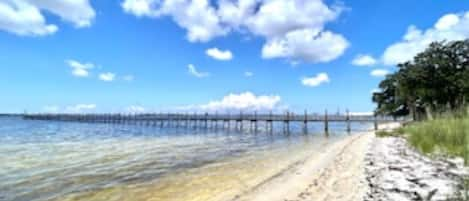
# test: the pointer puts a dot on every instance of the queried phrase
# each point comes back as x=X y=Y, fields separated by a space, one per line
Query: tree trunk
x=412 y=112
x=428 y=111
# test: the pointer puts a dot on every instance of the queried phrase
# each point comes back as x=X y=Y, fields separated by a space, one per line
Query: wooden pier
x=207 y=120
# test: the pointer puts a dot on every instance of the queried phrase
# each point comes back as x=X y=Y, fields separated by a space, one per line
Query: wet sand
x=330 y=170
x=92 y=162
x=233 y=179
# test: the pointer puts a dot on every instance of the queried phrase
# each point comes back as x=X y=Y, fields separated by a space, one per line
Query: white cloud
x=128 y=78
x=107 y=77
x=364 y=60
x=242 y=101
x=80 y=69
x=449 y=27
x=236 y=13
x=379 y=72
x=80 y=108
x=277 y=17
x=447 y=22
x=21 y=18
x=217 y=54
x=198 y=17
x=293 y=29
x=193 y=71
x=26 y=17
x=307 y=45
x=135 y=109
x=78 y=12
x=315 y=81
x=248 y=74
x=140 y=7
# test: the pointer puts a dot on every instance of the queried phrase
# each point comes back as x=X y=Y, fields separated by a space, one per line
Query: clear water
x=41 y=160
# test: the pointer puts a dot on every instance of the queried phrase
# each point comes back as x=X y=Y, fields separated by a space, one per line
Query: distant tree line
x=435 y=81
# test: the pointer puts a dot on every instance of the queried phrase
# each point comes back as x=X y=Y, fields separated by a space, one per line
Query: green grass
x=446 y=135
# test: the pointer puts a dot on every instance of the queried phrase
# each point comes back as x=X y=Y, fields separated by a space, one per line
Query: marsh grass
x=446 y=135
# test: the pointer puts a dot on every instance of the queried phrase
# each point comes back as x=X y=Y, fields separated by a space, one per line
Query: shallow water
x=83 y=161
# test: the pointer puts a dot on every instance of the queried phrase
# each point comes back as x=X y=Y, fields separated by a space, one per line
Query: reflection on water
x=77 y=161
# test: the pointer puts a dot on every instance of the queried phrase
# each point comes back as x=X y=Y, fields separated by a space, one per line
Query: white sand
x=389 y=126
x=397 y=172
x=335 y=174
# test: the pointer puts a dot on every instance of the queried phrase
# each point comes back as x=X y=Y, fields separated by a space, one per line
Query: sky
x=78 y=56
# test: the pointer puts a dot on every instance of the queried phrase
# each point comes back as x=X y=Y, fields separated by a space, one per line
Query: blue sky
x=134 y=55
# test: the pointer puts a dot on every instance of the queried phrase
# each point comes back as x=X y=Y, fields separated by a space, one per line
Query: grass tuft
x=448 y=136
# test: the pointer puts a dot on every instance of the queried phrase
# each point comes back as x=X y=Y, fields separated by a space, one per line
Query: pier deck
x=206 y=119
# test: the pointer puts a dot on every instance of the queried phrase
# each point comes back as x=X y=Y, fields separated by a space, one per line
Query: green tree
x=436 y=80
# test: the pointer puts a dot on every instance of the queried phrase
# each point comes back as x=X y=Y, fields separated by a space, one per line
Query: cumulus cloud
x=78 y=12
x=315 y=81
x=278 y=17
x=193 y=71
x=80 y=108
x=140 y=7
x=23 y=19
x=242 y=101
x=26 y=17
x=293 y=29
x=306 y=44
x=217 y=54
x=364 y=60
x=236 y=13
x=135 y=109
x=379 y=72
x=80 y=69
x=198 y=17
x=449 y=27
x=107 y=77
x=248 y=74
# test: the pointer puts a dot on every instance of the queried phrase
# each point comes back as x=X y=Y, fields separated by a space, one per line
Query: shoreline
x=397 y=172
x=330 y=175
x=365 y=167
x=354 y=167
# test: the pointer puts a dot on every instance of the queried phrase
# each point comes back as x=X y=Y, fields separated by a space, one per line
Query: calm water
x=79 y=161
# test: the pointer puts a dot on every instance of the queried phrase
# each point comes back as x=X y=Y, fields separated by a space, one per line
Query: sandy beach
x=334 y=174
x=365 y=167
x=347 y=167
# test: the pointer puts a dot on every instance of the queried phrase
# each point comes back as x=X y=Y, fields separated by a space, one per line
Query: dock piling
x=326 y=123
x=348 y=121
x=206 y=120
x=305 y=123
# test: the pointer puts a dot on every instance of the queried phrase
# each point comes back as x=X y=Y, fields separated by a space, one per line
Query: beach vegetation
x=435 y=82
x=447 y=136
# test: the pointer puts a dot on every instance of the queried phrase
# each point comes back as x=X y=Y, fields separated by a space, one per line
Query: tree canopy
x=436 y=80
